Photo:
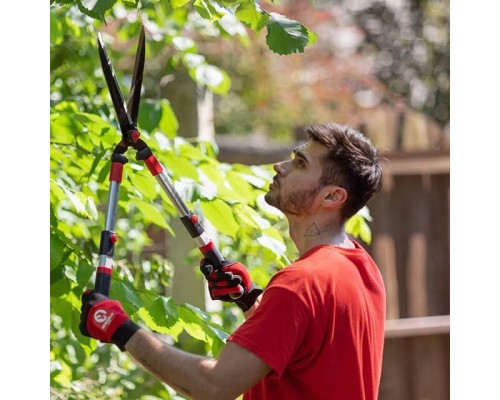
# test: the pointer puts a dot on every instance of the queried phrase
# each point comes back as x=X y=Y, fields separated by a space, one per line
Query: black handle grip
x=103 y=283
x=247 y=300
x=214 y=256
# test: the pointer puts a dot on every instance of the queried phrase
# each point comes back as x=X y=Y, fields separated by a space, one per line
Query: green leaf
x=365 y=233
x=131 y=3
x=63 y=129
x=152 y=215
x=168 y=122
x=126 y=294
x=76 y=201
x=104 y=172
x=178 y=3
x=146 y=184
x=213 y=173
x=57 y=191
x=63 y=308
x=64 y=2
x=56 y=30
x=99 y=9
x=268 y=210
x=243 y=213
x=240 y=186
x=163 y=312
x=91 y=208
x=192 y=323
x=198 y=324
x=273 y=244
x=255 y=181
x=184 y=43
x=209 y=10
x=251 y=14
x=233 y=26
x=84 y=141
x=82 y=204
x=365 y=213
x=83 y=275
x=358 y=227
x=102 y=6
x=96 y=161
x=286 y=36
x=160 y=314
x=158 y=115
x=187 y=150
x=60 y=285
x=220 y=216
x=312 y=37
x=214 y=78
x=182 y=167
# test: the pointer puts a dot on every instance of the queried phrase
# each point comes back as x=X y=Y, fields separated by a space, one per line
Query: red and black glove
x=105 y=320
x=230 y=283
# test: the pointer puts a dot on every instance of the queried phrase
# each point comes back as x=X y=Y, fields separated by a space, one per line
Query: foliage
x=412 y=51
x=83 y=133
x=284 y=36
x=370 y=54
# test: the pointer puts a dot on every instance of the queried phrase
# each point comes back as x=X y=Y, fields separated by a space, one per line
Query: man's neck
x=310 y=232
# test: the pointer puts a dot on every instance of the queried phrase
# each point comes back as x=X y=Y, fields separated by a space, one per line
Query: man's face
x=296 y=183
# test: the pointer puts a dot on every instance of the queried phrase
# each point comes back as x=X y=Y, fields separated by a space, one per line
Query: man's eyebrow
x=299 y=153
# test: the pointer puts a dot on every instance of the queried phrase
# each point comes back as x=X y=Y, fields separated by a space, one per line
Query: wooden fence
x=411 y=246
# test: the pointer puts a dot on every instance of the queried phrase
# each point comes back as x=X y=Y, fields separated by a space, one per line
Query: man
x=317 y=331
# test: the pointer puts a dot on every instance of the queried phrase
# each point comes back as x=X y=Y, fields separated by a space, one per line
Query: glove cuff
x=124 y=333
x=246 y=301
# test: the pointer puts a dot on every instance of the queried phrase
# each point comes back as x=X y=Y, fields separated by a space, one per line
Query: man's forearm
x=186 y=373
x=235 y=371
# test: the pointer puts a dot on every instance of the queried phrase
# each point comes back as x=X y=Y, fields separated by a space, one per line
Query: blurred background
x=382 y=67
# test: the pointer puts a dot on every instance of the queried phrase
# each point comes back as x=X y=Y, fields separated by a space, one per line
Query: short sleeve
x=276 y=329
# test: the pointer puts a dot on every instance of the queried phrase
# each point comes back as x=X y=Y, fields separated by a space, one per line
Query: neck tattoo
x=312 y=230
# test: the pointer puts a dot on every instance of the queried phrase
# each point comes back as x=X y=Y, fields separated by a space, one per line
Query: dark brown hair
x=351 y=163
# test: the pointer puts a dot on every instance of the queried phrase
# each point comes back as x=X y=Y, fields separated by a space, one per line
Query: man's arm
x=234 y=372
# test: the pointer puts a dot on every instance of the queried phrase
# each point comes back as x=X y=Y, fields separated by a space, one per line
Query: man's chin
x=272 y=201
x=268 y=199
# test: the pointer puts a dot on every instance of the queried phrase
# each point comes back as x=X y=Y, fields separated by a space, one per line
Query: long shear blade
x=135 y=90
x=124 y=118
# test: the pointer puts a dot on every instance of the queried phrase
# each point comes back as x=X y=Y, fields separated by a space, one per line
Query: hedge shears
x=127 y=114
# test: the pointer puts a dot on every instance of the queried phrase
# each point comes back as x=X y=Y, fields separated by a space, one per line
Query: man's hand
x=230 y=283
x=104 y=319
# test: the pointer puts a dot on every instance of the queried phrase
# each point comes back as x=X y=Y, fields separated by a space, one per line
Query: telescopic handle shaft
x=188 y=218
x=108 y=235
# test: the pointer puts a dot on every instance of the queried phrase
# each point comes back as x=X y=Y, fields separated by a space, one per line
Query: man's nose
x=279 y=167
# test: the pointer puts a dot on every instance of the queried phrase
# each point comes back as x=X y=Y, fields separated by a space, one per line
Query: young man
x=317 y=331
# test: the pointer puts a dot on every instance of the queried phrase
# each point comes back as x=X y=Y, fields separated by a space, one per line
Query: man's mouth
x=274 y=183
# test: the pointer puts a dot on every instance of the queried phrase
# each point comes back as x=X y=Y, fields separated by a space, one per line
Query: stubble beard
x=295 y=203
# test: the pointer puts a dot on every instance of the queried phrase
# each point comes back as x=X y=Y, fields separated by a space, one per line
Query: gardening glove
x=104 y=319
x=231 y=283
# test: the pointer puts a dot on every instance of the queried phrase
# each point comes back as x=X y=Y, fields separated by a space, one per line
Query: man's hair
x=352 y=163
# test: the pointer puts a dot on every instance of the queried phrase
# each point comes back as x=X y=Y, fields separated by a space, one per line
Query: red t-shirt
x=320 y=327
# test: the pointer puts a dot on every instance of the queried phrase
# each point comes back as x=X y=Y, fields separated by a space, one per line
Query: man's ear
x=334 y=197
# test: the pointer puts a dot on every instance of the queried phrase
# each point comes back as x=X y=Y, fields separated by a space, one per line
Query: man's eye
x=299 y=162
